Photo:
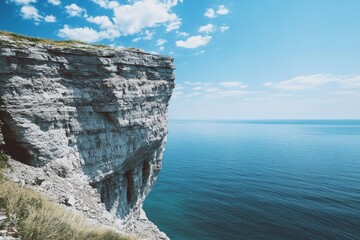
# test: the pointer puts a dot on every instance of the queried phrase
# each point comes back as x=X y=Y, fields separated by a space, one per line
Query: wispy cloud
x=211 y=89
x=182 y=34
x=224 y=28
x=198 y=83
x=22 y=2
x=351 y=81
x=233 y=84
x=148 y=35
x=177 y=93
x=207 y=91
x=199 y=52
x=145 y=35
x=280 y=95
x=161 y=42
x=316 y=80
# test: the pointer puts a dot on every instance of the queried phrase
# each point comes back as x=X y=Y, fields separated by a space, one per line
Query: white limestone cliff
x=86 y=126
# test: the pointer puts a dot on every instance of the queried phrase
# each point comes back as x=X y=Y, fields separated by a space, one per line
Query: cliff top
x=22 y=40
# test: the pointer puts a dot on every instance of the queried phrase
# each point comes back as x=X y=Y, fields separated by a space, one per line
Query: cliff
x=86 y=125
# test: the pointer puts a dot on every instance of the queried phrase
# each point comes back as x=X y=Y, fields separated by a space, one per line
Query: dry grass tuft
x=34 y=217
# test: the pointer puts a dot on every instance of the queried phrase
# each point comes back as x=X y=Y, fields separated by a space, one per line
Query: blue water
x=259 y=180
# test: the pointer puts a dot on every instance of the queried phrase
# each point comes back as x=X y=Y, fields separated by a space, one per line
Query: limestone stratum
x=86 y=126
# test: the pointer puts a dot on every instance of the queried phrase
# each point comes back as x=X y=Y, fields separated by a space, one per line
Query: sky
x=235 y=59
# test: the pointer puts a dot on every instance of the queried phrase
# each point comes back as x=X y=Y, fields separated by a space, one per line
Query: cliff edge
x=86 y=126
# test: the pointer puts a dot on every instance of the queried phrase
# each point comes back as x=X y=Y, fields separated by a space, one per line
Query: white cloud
x=193 y=94
x=136 y=39
x=86 y=34
x=302 y=82
x=30 y=12
x=200 y=52
x=106 y=3
x=54 y=2
x=218 y=93
x=222 y=10
x=173 y=25
x=316 y=80
x=132 y=18
x=50 y=18
x=198 y=83
x=161 y=42
x=210 y=13
x=182 y=34
x=211 y=90
x=231 y=93
x=351 y=81
x=198 y=88
x=161 y=48
x=176 y=93
x=224 y=28
x=23 y=2
x=148 y=35
x=136 y=16
x=276 y=95
x=232 y=84
x=209 y=28
x=194 y=41
x=103 y=21
x=74 y=10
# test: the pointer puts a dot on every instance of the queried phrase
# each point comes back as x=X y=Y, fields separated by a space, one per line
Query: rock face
x=93 y=117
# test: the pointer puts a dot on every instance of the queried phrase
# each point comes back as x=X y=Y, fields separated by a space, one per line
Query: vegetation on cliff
x=18 y=38
x=22 y=39
x=29 y=215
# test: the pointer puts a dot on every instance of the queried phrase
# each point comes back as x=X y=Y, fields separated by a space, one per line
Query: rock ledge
x=86 y=126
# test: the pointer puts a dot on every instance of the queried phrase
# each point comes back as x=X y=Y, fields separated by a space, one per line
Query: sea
x=259 y=180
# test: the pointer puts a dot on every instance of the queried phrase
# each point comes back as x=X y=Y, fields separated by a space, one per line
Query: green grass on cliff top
x=22 y=39
x=31 y=216
x=18 y=38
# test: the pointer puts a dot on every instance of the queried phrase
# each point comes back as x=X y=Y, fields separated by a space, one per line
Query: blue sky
x=235 y=59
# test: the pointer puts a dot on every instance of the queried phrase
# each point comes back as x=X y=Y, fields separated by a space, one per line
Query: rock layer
x=96 y=115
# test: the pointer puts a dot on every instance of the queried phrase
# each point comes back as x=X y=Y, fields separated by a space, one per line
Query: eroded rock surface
x=88 y=125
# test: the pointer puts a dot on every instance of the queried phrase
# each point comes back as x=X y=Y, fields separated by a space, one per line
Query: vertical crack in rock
x=95 y=115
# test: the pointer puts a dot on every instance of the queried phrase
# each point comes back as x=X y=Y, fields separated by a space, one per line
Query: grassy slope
x=37 y=218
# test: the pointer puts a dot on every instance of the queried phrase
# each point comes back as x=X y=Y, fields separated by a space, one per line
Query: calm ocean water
x=259 y=180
